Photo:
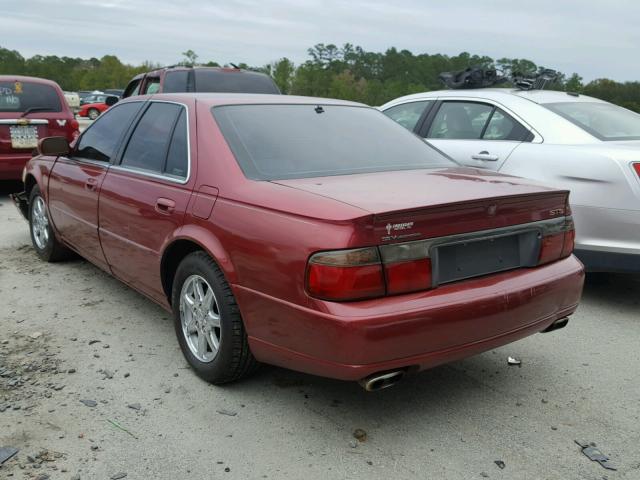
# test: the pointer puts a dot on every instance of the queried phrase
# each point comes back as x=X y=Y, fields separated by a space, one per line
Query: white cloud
x=591 y=37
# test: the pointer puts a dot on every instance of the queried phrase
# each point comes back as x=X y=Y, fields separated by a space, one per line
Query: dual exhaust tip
x=382 y=380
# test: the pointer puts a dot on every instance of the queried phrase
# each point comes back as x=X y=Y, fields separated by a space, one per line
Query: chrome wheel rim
x=93 y=114
x=200 y=318
x=40 y=223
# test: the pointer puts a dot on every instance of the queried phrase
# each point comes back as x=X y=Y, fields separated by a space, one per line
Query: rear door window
x=460 y=120
x=504 y=127
x=100 y=141
x=148 y=145
x=177 y=164
x=21 y=96
x=175 y=81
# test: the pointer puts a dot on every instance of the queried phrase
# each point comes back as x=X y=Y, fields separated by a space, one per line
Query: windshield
x=273 y=142
x=602 y=120
x=20 y=96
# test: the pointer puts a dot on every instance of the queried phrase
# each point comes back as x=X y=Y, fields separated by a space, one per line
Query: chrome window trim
x=160 y=176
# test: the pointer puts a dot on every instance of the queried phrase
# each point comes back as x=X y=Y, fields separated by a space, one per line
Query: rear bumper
x=11 y=166
x=353 y=340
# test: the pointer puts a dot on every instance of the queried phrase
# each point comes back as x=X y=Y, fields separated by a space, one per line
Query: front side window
x=133 y=88
x=301 y=141
x=407 y=114
x=22 y=96
x=100 y=141
x=460 y=120
x=604 y=121
x=148 y=145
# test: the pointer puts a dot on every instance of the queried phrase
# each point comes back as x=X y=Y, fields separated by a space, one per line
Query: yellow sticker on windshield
x=17 y=87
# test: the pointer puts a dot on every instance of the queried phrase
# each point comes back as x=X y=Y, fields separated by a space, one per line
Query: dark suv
x=200 y=79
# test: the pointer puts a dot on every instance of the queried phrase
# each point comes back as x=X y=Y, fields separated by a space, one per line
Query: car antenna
x=234 y=66
x=319 y=109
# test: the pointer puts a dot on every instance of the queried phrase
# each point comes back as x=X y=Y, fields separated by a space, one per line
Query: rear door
x=144 y=197
x=474 y=133
x=75 y=181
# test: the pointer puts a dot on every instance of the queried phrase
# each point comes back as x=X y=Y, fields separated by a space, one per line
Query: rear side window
x=233 y=82
x=148 y=146
x=504 y=127
x=460 y=120
x=101 y=140
x=175 y=81
x=178 y=157
x=301 y=141
x=407 y=114
x=21 y=96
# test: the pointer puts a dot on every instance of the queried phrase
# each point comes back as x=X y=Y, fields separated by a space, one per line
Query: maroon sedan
x=30 y=108
x=313 y=234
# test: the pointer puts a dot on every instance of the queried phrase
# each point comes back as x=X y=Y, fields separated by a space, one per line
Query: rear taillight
x=557 y=244
x=346 y=275
x=636 y=167
x=368 y=272
x=74 y=129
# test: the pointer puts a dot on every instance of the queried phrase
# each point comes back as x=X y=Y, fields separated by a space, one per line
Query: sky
x=594 y=38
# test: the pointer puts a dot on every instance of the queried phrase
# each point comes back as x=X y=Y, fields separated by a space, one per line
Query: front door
x=145 y=196
x=475 y=134
x=75 y=182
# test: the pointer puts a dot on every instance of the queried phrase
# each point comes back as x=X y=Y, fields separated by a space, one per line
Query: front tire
x=93 y=113
x=207 y=321
x=43 y=239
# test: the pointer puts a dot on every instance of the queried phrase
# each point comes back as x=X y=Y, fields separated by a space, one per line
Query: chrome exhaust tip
x=379 y=381
x=557 y=325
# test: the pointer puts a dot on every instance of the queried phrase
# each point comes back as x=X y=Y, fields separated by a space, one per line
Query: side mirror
x=53 y=146
x=111 y=101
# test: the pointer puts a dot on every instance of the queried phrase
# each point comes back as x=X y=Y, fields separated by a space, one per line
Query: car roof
x=22 y=78
x=217 y=99
x=536 y=96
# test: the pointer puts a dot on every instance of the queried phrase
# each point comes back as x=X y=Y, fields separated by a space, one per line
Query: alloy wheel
x=200 y=318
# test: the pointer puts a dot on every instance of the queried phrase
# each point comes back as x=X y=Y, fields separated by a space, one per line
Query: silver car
x=583 y=144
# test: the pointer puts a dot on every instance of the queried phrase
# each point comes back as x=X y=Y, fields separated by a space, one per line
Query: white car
x=73 y=100
x=579 y=143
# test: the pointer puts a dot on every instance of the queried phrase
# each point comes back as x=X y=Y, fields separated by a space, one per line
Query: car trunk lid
x=416 y=204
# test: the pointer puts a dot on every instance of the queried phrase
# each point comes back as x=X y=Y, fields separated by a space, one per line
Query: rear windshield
x=604 y=121
x=272 y=142
x=20 y=96
x=234 y=82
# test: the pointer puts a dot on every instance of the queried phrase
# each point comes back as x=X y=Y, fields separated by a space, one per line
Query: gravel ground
x=93 y=385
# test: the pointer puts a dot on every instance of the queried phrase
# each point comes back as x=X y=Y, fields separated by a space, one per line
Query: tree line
x=348 y=72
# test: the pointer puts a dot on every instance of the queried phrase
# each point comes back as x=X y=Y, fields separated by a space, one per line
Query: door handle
x=165 y=205
x=485 y=156
x=91 y=184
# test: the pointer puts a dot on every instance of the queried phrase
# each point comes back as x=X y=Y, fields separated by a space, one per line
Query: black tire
x=93 y=113
x=233 y=359
x=51 y=249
